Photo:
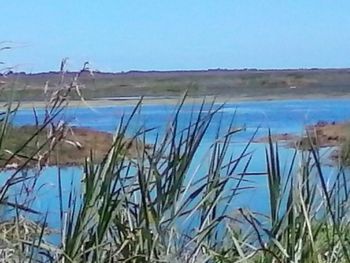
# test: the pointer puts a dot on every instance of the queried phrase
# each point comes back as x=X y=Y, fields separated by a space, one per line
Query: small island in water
x=69 y=147
x=320 y=135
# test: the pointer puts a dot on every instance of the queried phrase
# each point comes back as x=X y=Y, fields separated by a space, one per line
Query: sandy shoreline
x=106 y=102
x=122 y=102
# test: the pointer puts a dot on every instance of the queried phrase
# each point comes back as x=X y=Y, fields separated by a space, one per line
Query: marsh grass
x=162 y=205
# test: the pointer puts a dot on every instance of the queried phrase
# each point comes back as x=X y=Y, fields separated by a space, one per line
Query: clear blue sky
x=116 y=35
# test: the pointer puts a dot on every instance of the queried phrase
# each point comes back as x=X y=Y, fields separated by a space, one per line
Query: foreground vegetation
x=162 y=206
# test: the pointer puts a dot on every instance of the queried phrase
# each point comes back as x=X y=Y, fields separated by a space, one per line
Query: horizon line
x=180 y=70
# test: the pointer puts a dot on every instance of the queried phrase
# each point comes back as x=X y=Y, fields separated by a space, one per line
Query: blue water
x=289 y=116
x=279 y=116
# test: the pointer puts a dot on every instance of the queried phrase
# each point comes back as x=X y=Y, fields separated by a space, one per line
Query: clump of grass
x=21 y=236
x=158 y=207
x=342 y=155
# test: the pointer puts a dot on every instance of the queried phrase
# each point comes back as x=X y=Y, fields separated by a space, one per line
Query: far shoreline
x=166 y=100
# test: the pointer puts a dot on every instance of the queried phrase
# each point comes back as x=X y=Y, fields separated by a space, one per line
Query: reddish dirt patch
x=74 y=146
x=322 y=134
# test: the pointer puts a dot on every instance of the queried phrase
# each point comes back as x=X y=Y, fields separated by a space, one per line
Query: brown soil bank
x=322 y=134
x=72 y=147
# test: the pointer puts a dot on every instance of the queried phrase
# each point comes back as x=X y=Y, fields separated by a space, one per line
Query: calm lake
x=288 y=116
